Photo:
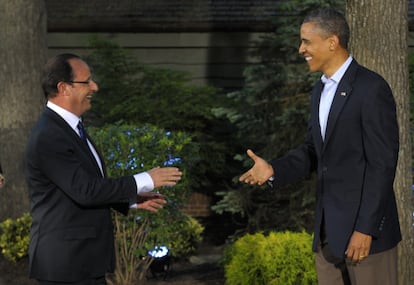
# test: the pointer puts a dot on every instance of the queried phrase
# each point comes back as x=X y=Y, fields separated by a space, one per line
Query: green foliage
x=186 y=237
x=174 y=229
x=271 y=114
x=181 y=233
x=136 y=236
x=281 y=258
x=130 y=149
x=14 y=239
x=137 y=94
x=131 y=265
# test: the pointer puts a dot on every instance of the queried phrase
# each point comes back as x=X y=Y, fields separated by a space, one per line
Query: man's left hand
x=151 y=201
x=358 y=247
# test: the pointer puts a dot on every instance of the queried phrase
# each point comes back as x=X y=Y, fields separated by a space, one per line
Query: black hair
x=330 y=22
x=56 y=70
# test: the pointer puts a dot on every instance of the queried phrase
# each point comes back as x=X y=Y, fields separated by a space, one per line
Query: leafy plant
x=137 y=94
x=281 y=258
x=186 y=237
x=131 y=264
x=14 y=238
x=129 y=149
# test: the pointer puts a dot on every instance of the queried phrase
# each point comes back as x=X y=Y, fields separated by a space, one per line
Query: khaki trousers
x=380 y=268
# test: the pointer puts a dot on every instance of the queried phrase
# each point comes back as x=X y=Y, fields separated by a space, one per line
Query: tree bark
x=379 y=40
x=23 y=51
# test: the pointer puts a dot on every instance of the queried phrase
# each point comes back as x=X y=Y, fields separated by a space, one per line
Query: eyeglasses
x=87 y=82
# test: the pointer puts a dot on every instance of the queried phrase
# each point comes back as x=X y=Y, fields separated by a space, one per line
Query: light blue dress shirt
x=328 y=94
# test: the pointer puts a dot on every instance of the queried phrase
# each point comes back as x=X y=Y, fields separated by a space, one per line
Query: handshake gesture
x=259 y=173
x=165 y=176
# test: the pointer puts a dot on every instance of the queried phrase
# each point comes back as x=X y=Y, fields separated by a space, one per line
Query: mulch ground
x=179 y=273
x=204 y=271
x=185 y=273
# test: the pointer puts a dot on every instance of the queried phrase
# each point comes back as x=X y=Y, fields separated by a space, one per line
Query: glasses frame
x=86 y=82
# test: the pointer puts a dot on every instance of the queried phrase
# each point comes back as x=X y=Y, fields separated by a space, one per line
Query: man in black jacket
x=71 y=238
x=352 y=144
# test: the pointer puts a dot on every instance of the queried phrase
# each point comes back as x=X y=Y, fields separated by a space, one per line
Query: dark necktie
x=92 y=151
x=82 y=132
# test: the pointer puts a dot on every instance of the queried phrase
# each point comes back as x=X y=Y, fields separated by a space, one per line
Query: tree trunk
x=379 y=33
x=22 y=54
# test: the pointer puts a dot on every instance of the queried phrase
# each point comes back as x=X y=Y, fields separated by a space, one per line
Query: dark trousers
x=93 y=281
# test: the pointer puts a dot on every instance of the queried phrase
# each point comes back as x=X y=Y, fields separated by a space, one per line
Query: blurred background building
x=209 y=39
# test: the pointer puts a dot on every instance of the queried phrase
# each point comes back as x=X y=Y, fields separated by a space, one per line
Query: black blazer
x=355 y=164
x=71 y=237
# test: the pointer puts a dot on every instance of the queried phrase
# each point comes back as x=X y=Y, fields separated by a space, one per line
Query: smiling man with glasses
x=71 y=238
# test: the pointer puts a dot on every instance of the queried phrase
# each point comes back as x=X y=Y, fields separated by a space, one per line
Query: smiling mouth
x=308 y=58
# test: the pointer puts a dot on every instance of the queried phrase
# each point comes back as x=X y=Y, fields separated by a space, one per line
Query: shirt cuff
x=144 y=182
x=270 y=181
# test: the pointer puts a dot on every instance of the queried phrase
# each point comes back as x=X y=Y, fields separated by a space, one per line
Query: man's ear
x=333 y=42
x=62 y=88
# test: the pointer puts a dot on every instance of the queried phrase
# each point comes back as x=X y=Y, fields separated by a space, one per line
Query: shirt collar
x=339 y=73
x=69 y=117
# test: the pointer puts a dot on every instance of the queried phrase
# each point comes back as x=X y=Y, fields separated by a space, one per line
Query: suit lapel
x=341 y=96
x=316 y=128
x=72 y=135
x=99 y=155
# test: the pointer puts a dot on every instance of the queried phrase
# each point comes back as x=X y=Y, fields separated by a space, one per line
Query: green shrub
x=185 y=239
x=14 y=239
x=130 y=149
x=281 y=258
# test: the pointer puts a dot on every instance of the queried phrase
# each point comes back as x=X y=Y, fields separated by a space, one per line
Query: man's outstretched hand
x=151 y=201
x=165 y=176
x=259 y=173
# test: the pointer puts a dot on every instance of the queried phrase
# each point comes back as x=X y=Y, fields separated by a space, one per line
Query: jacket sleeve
x=72 y=172
x=296 y=164
x=381 y=143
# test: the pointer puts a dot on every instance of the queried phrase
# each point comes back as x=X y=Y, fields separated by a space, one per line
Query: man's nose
x=94 y=85
x=301 y=49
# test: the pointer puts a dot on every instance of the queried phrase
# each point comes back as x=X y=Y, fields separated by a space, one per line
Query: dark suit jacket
x=71 y=237
x=355 y=164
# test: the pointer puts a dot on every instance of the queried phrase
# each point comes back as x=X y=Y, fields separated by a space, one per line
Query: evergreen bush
x=14 y=238
x=280 y=258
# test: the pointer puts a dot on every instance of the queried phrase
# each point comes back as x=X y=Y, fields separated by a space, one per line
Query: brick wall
x=198 y=205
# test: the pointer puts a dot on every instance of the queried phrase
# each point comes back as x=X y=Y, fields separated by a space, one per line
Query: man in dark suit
x=71 y=238
x=352 y=143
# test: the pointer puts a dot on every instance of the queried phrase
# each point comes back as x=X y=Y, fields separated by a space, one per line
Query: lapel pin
x=343 y=94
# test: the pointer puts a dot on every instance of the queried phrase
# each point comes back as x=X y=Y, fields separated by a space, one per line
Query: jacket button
x=324 y=169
